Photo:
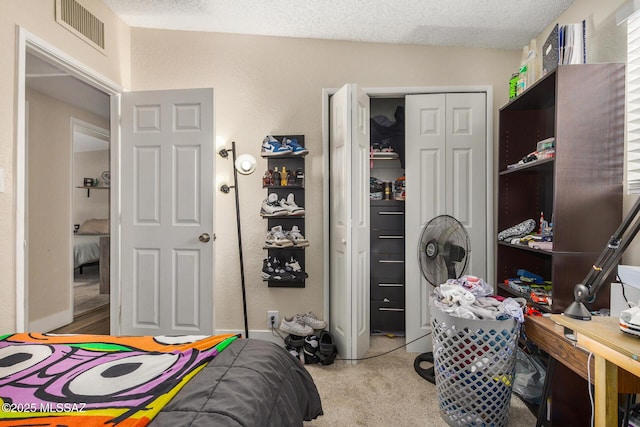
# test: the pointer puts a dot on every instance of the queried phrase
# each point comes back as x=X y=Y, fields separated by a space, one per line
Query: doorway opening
x=90 y=217
x=51 y=86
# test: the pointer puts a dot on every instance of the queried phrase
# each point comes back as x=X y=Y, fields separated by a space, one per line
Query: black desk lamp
x=585 y=292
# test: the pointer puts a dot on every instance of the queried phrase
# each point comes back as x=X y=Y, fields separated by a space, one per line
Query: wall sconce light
x=225 y=188
x=224 y=153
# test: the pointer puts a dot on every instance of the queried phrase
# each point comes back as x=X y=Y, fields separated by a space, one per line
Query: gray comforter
x=251 y=383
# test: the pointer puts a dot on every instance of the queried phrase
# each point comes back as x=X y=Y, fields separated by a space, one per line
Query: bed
x=84 y=380
x=91 y=245
x=86 y=241
x=86 y=249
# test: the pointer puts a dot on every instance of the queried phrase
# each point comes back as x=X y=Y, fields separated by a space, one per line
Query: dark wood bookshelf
x=579 y=189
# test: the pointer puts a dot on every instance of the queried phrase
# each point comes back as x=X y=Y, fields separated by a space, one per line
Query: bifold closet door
x=445 y=151
x=349 y=221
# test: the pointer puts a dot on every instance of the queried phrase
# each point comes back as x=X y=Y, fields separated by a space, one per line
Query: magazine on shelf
x=566 y=44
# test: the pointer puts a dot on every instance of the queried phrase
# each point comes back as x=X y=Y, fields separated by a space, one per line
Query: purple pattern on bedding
x=63 y=373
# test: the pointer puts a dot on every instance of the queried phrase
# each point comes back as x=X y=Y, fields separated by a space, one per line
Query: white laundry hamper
x=474 y=362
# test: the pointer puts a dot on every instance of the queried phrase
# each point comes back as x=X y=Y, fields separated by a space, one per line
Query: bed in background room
x=86 y=380
x=91 y=246
x=86 y=250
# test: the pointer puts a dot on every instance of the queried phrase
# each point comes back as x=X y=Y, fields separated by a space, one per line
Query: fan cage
x=442 y=229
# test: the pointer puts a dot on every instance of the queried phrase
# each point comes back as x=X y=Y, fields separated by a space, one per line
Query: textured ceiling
x=502 y=24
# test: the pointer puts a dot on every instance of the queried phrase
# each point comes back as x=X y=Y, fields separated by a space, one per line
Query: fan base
x=428 y=374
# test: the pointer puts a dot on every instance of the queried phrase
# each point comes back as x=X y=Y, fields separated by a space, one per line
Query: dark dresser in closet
x=387 y=266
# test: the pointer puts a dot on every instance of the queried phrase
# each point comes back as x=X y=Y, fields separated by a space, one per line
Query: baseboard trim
x=263 y=334
x=54 y=321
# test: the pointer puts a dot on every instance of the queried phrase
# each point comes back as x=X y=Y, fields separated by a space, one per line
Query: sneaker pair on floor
x=305 y=351
x=279 y=238
x=276 y=270
x=271 y=206
x=302 y=325
x=271 y=147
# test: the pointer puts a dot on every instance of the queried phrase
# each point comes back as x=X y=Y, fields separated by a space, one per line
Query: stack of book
x=546 y=148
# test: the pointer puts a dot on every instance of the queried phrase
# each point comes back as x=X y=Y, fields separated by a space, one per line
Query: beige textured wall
x=273 y=85
x=37 y=17
x=51 y=190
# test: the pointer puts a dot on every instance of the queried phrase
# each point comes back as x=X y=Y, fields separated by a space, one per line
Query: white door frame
x=29 y=42
x=396 y=92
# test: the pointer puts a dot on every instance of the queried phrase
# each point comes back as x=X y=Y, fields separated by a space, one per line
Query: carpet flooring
x=386 y=391
x=86 y=291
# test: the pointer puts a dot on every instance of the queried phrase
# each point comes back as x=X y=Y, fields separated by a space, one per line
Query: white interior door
x=445 y=159
x=349 y=223
x=167 y=212
x=466 y=177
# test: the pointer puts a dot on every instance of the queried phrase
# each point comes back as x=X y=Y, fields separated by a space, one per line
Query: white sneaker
x=292 y=208
x=293 y=266
x=311 y=320
x=277 y=239
x=271 y=207
x=296 y=237
x=294 y=326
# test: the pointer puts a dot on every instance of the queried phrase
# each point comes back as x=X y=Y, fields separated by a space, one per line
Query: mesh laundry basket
x=474 y=364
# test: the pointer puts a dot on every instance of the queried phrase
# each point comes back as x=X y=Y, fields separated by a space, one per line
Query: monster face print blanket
x=88 y=380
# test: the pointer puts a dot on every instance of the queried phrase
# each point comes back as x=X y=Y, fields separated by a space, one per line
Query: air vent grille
x=77 y=19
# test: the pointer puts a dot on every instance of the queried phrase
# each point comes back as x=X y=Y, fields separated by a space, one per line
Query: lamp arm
x=586 y=291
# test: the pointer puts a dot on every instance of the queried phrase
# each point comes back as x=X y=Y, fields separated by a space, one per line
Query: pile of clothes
x=470 y=297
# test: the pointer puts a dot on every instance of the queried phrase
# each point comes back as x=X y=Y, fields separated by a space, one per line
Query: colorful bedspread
x=87 y=380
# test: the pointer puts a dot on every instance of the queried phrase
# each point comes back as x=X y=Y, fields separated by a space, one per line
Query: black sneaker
x=296 y=341
x=267 y=269
x=327 y=350
x=273 y=270
x=293 y=351
x=310 y=350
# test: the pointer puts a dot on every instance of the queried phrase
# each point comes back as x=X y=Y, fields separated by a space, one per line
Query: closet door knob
x=204 y=237
x=344 y=241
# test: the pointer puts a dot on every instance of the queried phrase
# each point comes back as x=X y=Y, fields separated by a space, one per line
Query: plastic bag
x=529 y=379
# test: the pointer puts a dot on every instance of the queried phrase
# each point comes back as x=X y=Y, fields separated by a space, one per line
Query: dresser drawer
x=387 y=267
x=385 y=241
x=387 y=316
x=389 y=216
x=387 y=290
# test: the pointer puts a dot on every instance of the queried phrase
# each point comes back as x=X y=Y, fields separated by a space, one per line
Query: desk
x=549 y=336
x=612 y=349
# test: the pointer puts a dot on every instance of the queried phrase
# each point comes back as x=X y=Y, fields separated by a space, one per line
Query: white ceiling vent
x=75 y=18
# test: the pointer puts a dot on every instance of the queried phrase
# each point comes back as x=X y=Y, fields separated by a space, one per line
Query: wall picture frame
x=106 y=178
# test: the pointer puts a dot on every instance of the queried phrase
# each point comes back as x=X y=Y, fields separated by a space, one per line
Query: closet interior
x=386 y=195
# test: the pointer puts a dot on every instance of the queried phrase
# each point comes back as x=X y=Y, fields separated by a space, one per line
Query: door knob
x=204 y=237
x=344 y=241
